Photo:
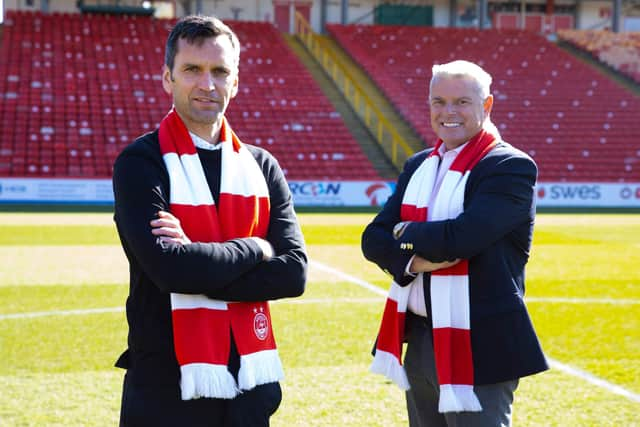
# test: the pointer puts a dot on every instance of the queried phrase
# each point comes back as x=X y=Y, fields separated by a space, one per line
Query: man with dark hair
x=208 y=226
x=195 y=30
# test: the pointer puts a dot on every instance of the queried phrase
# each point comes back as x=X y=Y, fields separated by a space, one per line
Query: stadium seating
x=75 y=89
x=620 y=51
x=577 y=124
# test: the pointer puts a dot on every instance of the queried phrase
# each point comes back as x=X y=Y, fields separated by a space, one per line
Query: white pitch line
x=380 y=291
x=349 y=278
x=613 y=388
x=337 y=273
x=61 y=313
x=564 y=300
x=594 y=380
x=296 y=301
x=333 y=271
x=327 y=301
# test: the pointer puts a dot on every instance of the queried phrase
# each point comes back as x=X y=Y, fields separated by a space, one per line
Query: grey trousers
x=422 y=398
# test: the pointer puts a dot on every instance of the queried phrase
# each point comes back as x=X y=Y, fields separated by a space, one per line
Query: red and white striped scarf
x=202 y=326
x=449 y=286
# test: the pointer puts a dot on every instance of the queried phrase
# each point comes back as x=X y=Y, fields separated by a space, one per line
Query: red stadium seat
x=99 y=78
x=620 y=51
x=548 y=103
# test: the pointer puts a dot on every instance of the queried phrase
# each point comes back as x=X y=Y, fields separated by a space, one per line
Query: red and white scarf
x=202 y=326
x=449 y=286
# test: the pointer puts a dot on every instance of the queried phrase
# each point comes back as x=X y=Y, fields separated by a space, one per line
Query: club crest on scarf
x=260 y=324
x=202 y=326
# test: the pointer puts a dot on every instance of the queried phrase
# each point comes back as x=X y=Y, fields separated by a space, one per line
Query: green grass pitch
x=63 y=284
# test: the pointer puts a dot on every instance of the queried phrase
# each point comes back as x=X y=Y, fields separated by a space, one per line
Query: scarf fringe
x=259 y=368
x=207 y=380
x=385 y=363
x=458 y=398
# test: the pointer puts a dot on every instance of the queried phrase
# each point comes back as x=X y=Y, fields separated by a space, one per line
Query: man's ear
x=166 y=80
x=488 y=104
x=234 y=88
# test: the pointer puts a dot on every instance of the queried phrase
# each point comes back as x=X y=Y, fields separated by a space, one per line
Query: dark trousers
x=424 y=394
x=160 y=406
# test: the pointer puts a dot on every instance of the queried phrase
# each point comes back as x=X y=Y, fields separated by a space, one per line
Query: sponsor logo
x=315 y=188
x=378 y=193
x=260 y=325
x=629 y=193
x=574 y=192
x=7 y=188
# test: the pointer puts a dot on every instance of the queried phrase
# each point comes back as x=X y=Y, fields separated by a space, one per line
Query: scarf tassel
x=207 y=380
x=458 y=398
x=258 y=368
x=387 y=364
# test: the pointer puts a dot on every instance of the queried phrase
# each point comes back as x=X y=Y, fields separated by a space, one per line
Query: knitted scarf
x=449 y=286
x=202 y=327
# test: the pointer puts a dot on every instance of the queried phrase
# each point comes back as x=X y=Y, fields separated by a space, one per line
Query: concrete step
x=358 y=130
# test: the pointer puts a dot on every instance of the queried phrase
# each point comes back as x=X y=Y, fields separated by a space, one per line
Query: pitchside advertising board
x=318 y=193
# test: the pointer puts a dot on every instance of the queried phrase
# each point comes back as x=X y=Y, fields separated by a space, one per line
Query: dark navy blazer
x=494 y=233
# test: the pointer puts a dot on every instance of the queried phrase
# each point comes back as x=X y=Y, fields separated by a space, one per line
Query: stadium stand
x=577 y=124
x=621 y=51
x=75 y=89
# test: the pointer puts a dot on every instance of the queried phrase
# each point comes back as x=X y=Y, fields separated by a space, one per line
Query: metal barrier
x=385 y=134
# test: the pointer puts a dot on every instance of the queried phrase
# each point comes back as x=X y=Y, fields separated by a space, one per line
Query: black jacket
x=494 y=233
x=231 y=271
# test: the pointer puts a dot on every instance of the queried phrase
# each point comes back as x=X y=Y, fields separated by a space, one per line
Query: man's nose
x=450 y=108
x=207 y=82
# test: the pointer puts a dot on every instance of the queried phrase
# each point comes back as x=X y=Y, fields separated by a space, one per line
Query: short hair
x=467 y=69
x=196 y=29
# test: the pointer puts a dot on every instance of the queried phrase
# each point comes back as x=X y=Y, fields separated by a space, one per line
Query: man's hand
x=168 y=229
x=421 y=265
x=267 y=249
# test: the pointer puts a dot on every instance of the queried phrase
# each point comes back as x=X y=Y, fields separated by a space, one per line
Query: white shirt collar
x=456 y=150
x=205 y=145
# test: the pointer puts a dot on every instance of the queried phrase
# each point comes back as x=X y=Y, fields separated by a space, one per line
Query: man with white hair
x=455 y=236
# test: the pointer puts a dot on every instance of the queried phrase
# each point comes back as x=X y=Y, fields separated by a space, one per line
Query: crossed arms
x=498 y=199
x=243 y=269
